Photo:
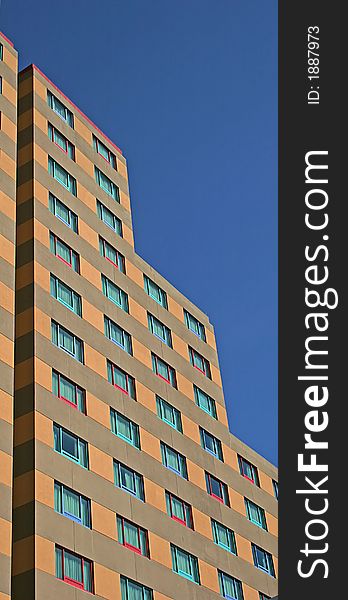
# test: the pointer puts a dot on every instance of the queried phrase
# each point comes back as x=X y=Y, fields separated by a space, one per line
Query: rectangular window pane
x=155 y=292
x=62 y=212
x=114 y=293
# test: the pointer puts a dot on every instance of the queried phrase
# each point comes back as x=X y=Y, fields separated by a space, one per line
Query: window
x=161 y=331
x=0 y=84
x=62 y=176
x=223 y=536
x=169 y=414
x=211 y=444
x=72 y=504
x=121 y=380
x=173 y=460
x=248 y=470
x=205 y=402
x=114 y=293
x=199 y=362
x=74 y=569
x=185 y=564
x=125 y=428
x=194 y=325
x=275 y=488
x=131 y=590
x=67 y=341
x=109 y=218
x=255 y=514
x=163 y=370
x=65 y=295
x=66 y=254
x=155 y=292
x=217 y=489
x=230 y=587
x=179 y=510
x=106 y=184
x=62 y=111
x=61 y=141
x=70 y=445
x=112 y=255
x=263 y=560
x=132 y=536
x=68 y=391
x=264 y=597
x=62 y=212
x=119 y=336
x=1 y=52
x=128 y=480
x=104 y=152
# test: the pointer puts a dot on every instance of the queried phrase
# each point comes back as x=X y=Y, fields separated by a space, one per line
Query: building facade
x=127 y=482
x=8 y=157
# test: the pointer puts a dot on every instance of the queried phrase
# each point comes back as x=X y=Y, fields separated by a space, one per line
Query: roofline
x=35 y=68
x=7 y=40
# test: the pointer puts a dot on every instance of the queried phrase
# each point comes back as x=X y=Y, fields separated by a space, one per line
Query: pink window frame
x=184 y=506
x=72 y=582
x=115 y=384
x=67 y=142
x=220 y=499
x=193 y=354
x=109 y=154
x=251 y=469
x=66 y=399
x=129 y=546
x=57 y=255
x=118 y=256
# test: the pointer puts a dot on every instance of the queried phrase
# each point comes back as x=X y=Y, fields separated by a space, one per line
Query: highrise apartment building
x=127 y=482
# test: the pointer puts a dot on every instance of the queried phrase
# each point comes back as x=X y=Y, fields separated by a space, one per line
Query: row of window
x=76 y=449
x=78 y=571
x=67 y=116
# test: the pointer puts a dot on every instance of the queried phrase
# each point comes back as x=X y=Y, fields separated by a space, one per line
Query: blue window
x=132 y=536
x=185 y=564
x=69 y=392
x=205 y=402
x=125 y=428
x=109 y=218
x=74 y=569
x=179 y=510
x=199 y=362
x=62 y=111
x=230 y=587
x=211 y=444
x=129 y=480
x=161 y=331
x=104 y=152
x=106 y=184
x=67 y=341
x=65 y=295
x=112 y=255
x=275 y=488
x=248 y=470
x=155 y=292
x=173 y=460
x=114 y=293
x=121 y=380
x=62 y=176
x=217 y=489
x=194 y=325
x=169 y=414
x=131 y=590
x=70 y=445
x=263 y=560
x=72 y=504
x=223 y=536
x=66 y=254
x=255 y=514
x=119 y=336
x=163 y=370
x=61 y=141
x=62 y=212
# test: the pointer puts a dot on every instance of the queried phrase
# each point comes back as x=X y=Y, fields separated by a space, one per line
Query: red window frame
x=72 y=582
x=185 y=505
x=55 y=238
x=67 y=142
x=113 y=163
x=220 y=499
x=169 y=369
x=63 y=397
x=130 y=546
x=252 y=467
x=128 y=377
x=119 y=256
x=206 y=369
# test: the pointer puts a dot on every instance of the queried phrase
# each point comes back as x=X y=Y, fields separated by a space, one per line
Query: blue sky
x=188 y=90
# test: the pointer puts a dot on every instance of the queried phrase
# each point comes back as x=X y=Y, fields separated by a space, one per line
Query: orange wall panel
x=160 y=550
x=95 y=361
x=98 y=410
x=154 y=495
x=107 y=583
x=104 y=520
x=209 y=576
x=196 y=475
x=101 y=463
x=150 y=444
x=244 y=549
